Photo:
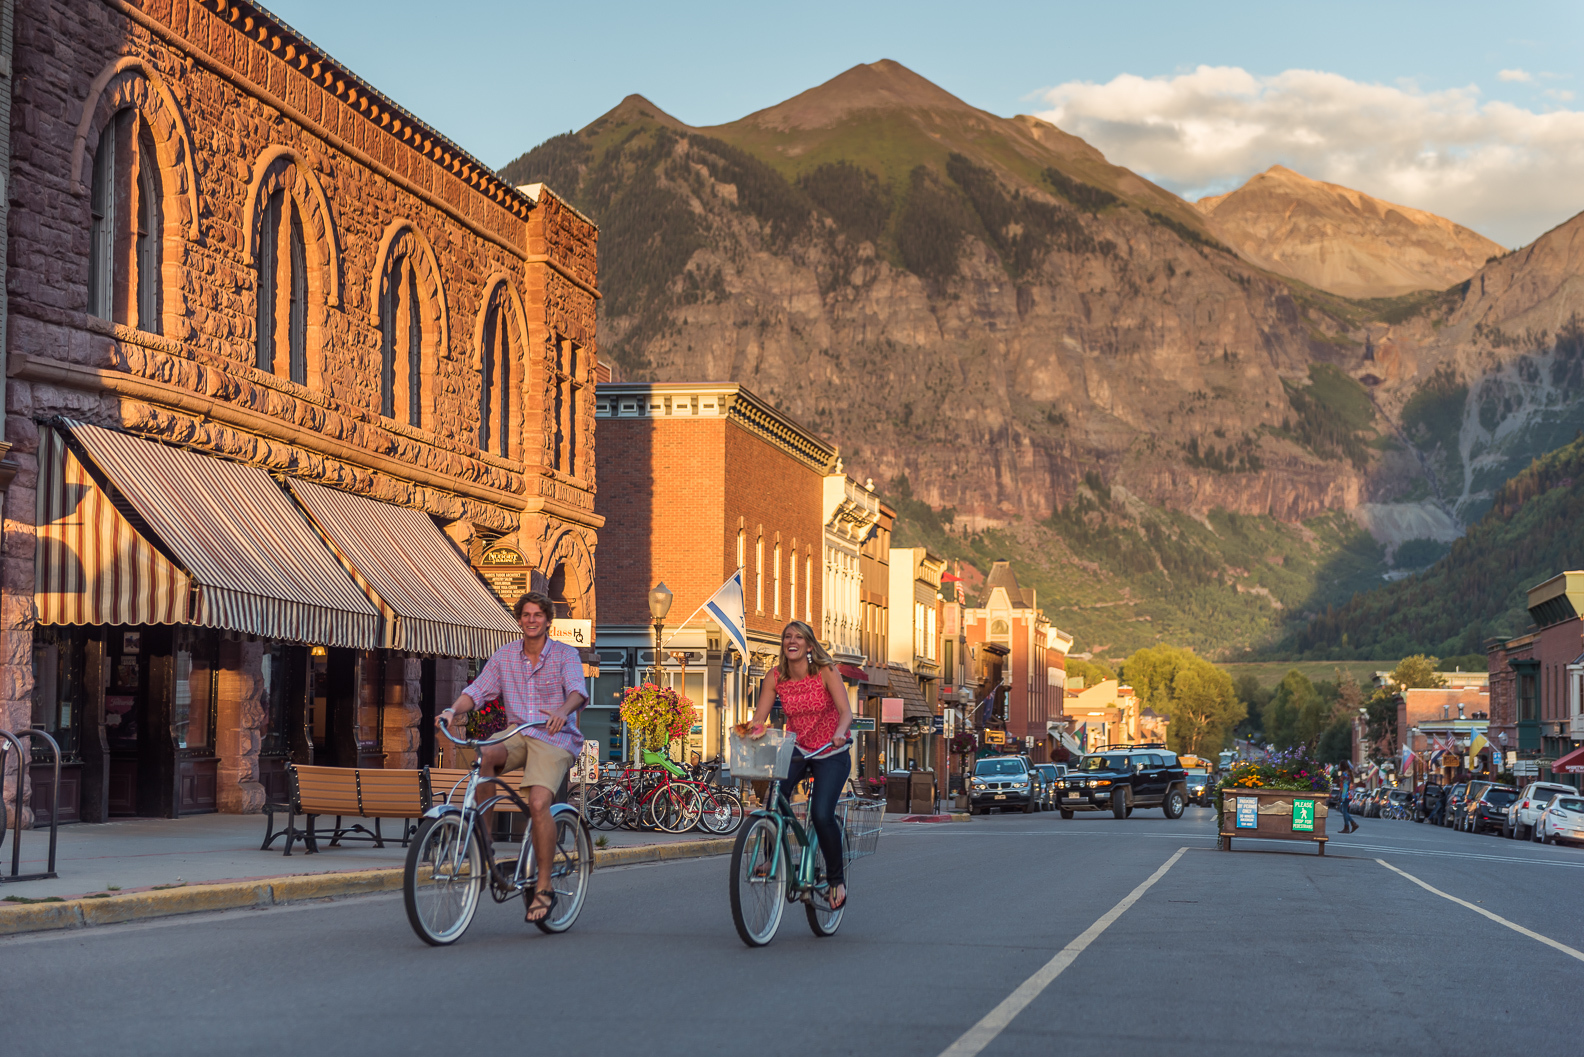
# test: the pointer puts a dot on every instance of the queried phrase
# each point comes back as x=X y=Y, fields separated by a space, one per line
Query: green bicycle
x=777 y=861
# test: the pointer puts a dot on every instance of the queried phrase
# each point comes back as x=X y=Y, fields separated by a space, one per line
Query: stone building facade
x=1030 y=708
x=222 y=241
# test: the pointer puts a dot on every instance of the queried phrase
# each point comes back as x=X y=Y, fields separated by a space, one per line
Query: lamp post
x=659 y=606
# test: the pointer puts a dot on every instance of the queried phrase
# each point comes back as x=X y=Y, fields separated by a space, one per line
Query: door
x=1151 y=782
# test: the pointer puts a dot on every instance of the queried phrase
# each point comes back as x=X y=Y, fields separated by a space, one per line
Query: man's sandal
x=543 y=898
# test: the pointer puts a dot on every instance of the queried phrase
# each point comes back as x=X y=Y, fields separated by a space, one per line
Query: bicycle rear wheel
x=758 y=883
x=440 y=887
x=569 y=871
x=722 y=812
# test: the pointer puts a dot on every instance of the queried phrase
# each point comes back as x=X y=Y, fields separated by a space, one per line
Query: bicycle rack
x=16 y=829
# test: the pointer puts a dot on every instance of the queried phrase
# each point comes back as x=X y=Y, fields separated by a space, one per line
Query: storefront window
x=123 y=688
x=277 y=683
x=192 y=718
x=58 y=686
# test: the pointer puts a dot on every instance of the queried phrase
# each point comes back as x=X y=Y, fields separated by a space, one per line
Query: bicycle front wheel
x=758 y=883
x=722 y=812
x=569 y=871
x=442 y=880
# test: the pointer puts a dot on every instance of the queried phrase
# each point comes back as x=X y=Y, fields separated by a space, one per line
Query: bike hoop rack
x=16 y=828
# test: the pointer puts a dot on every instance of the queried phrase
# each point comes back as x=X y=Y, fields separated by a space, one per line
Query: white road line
x=1547 y=940
x=994 y=1022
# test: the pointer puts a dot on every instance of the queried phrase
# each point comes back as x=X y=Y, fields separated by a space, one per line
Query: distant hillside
x=1534 y=530
x=1341 y=240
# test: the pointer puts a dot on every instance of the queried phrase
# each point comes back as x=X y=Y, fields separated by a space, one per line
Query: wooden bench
x=347 y=792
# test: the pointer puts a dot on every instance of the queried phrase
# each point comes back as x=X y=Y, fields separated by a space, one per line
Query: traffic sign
x=1303 y=815
x=995 y=737
x=862 y=723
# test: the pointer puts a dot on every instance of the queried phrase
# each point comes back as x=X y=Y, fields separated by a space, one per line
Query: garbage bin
x=922 y=793
x=897 y=793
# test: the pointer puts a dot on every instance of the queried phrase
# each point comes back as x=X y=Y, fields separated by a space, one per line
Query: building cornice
x=717 y=400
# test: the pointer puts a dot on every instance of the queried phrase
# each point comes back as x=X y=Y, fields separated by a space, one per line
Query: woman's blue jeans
x=830 y=775
x=1347 y=819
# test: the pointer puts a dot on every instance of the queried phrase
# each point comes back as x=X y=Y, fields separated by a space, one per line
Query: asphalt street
x=1265 y=949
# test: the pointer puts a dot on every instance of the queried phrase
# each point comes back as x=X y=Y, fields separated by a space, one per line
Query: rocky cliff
x=1042 y=355
x=1343 y=241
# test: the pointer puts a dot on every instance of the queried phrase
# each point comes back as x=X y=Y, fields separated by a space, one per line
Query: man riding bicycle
x=539 y=681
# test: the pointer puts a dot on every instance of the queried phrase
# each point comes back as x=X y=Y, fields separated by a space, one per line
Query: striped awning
x=432 y=600
x=253 y=563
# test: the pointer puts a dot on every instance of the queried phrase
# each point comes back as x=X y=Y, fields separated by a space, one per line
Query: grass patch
x=26 y=899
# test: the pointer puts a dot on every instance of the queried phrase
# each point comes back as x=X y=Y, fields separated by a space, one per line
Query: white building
x=851 y=514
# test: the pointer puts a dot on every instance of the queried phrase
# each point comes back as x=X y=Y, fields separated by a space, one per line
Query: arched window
x=124 y=226
x=401 y=344
x=282 y=291
x=776 y=601
x=496 y=382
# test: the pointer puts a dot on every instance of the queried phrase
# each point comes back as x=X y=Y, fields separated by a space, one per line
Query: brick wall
x=773 y=493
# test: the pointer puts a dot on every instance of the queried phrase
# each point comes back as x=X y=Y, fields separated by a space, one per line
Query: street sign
x=1248 y=812
x=862 y=723
x=939 y=724
x=1303 y=815
x=1526 y=767
x=995 y=737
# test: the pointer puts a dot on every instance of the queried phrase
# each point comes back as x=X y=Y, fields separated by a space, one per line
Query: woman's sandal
x=542 y=898
x=835 y=905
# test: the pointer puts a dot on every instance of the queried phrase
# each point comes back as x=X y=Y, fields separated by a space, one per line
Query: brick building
x=284 y=364
x=698 y=481
x=1023 y=672
x=1536 y=707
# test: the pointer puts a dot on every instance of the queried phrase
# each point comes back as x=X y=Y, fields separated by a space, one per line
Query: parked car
x=1562 y=822
x=1454 y=800
x=1488 y=814
x=1425 y=802
x=1050 y=789
x=1375 y=801
x=1526 y=810
x=1357 y=799
x=1471 y=794
x=1399 y=797
x=1003 y=782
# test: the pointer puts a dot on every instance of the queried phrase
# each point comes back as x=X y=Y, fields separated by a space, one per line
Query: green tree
x=1255 y=696
x=1417 y=673
x=1092 y=671
x=1296 y=713
x=1336 y=743
x=1197 y=698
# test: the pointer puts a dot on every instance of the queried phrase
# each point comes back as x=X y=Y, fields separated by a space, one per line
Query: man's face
x=534 y=622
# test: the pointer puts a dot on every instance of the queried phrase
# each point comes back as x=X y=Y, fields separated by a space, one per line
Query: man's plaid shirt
x=531 y=691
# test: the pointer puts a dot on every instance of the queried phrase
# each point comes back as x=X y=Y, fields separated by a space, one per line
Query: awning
x=904 y=684
x=852 y=673
x=183 y=538
x=1572 y=763
x=433 y=601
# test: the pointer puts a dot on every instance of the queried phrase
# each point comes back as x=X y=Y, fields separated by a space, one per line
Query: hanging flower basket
x=657 y=715
x=488 y=721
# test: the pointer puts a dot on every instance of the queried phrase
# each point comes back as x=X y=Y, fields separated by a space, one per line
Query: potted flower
x=1281 y=797
x=656 y=715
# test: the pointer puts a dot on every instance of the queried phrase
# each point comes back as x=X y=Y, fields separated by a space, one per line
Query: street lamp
x=659 y=606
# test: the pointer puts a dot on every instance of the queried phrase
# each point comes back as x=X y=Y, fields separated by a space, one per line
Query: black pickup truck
x=1119 y=780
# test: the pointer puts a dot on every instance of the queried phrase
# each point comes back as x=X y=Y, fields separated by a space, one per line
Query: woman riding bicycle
x=815 y=704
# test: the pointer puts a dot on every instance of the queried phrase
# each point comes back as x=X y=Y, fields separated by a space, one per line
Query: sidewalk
x=131 y=855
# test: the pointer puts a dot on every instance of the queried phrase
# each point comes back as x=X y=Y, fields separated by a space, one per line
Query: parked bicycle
x=450 y=861
x=777 y=861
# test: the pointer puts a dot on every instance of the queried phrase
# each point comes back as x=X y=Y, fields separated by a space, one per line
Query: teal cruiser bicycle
x=777 y=861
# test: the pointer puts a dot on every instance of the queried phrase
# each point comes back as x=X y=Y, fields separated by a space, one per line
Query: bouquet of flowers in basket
x=657 y=714
x=487 y=721
x=1291 y=769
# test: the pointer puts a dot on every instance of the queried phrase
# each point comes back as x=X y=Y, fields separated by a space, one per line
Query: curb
x=197 y=898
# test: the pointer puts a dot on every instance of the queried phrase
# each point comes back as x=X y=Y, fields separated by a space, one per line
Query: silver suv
x=1003 y=782
x=1529 y=806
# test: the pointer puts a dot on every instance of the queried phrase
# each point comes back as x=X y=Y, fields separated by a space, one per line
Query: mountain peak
x=1345 y=241
x=637 y=108
x=883 y=85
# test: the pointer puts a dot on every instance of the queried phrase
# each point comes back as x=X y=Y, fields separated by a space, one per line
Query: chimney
x=1460 y=710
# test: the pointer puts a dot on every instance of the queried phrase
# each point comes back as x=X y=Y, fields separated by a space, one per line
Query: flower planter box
x=1274 y=814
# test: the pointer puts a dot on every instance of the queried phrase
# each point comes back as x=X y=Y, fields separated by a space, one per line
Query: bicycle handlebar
x=474 y=743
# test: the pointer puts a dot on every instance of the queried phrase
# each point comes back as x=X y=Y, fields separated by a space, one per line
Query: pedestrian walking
x=1345 y=778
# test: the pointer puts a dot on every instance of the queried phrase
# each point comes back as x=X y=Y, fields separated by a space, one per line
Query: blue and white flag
x=725 y=607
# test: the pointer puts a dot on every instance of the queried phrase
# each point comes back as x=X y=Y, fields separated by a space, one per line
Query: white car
x=1526 y=810
x=1562 y=822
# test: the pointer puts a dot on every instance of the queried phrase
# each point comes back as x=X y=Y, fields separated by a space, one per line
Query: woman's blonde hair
x=817 y=657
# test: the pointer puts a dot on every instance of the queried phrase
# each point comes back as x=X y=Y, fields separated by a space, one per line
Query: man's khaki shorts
x=542 y=764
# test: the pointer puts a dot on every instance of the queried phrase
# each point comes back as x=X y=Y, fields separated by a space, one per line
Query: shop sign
x=1248 y=812
x=995 y=737
x=505 y=572
x=890 y=710
x=1303 y=815
x=938 y=724
x=577 y=633
x=1526 y=767
x=862 y=723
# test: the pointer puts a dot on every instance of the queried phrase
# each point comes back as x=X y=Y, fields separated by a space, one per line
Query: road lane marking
x=1547 y=940
x=976 y=1038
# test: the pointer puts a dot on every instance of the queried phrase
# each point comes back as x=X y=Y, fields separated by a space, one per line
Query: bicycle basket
x=860 y=819
x=766 y=757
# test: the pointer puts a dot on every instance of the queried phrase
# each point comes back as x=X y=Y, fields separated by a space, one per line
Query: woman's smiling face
x=793 y=646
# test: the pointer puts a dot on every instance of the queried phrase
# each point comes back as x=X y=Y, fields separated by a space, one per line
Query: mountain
x=1343 y=241
x=1042 y=356
x=1533 y=530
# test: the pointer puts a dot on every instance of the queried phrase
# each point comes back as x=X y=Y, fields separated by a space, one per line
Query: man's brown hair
x=535 y=598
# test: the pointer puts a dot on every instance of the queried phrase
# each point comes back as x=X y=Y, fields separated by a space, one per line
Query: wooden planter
x=1273 y=816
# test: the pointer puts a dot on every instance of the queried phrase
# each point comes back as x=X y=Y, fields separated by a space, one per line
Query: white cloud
x=1505 y=171
x=1514 y=75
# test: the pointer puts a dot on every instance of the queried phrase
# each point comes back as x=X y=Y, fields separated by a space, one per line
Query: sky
x=1474 y=111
